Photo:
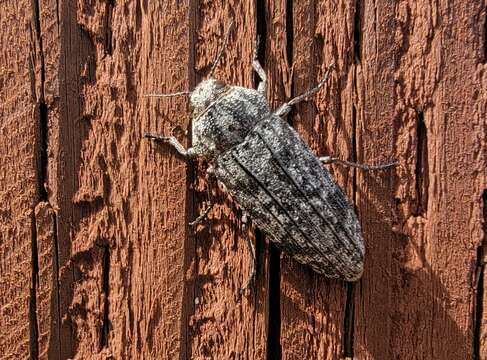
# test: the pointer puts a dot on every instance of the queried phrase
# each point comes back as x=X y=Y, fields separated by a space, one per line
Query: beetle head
x=205 y=93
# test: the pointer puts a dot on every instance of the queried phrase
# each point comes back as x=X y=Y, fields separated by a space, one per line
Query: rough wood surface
x=97 y=260
x=19 y=180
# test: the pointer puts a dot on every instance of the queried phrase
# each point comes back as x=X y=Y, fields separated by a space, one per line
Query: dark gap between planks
x=478 y=310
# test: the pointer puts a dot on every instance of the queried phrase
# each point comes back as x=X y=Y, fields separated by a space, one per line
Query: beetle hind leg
x=253 y=271
x=332 y=160
x=262 y=88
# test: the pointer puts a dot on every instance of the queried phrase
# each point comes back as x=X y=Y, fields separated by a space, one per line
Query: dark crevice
x=191 y=261
x=58 y=17
x=349 y=322
x=289 y=32
x=274 y=289
x=56 y=278
x=480 y=270
x=259 y=253
x=421 y=170
x=290 y=50
x=37 y=25
x=110 y=4
x=354 y=154
x=261 y=32
x=105 y=328
x=478 y=309
x=42 y=107
x=349 y=317
x=357 y=30
x=33 y=325
x=42 y=170
x=274 y=320
x=43 y=151
x=485 y=35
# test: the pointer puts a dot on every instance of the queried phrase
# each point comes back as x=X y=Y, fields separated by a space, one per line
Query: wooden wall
x=96 y=257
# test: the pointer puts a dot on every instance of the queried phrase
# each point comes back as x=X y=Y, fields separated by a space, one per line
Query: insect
x=272 y=174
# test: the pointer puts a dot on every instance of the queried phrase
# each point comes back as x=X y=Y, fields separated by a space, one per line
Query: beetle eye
x=219 y=84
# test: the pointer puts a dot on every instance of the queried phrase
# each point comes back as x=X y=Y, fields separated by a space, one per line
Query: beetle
x=272 y=174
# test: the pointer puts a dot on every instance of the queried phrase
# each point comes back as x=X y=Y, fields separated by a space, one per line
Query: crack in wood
x=105 y=327
x=354 y=155
x=273 y=341
x=274 y=319
x=478 y=309
x=357 y=31
x=43 y=151
x=261 y=25
x=108 y=44
x=349 y=321
x=42 y=173
x=485 y=35
x=41 y=179
x=37 y=26
x=349 y=317
x=289 y=33
x=56 y=278
x=33 y=324
x=421 y=171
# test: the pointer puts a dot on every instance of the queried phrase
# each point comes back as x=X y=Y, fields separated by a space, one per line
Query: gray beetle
x=273 y=175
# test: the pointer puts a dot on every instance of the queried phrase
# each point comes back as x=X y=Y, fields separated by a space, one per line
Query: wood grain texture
x=130 y=244
x=314 y=308
x=422 y=256
x=224 y=324
x=19 y=179
x=47 y=287
x=97 y=260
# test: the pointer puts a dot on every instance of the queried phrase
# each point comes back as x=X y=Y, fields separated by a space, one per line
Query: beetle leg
x=250 y=280
x=171 y=140
x=258 y=69
x=204 y=213
x=286 y=107
x=332 y=160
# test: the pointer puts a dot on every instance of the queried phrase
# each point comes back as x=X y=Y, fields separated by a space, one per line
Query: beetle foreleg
x=286 y=107
x=332 y=160
x=259 y=70
x=253 y=270
x=171 y=140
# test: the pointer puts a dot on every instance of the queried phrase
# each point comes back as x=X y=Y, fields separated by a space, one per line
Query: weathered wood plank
x=313 y=307
x=417 y=82
x=87 y=204
x=226 y=325
x=19 y=179
x=121 y=203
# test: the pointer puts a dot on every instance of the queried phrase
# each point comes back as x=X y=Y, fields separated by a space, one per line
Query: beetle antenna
x=220 y=53
x=180 y=93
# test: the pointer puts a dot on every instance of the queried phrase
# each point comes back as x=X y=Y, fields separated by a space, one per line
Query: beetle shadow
x=400 y=311
x=313 y=308
x=414 y=302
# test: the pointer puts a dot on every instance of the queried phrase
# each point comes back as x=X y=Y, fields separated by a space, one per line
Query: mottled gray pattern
x=275 y=177
x=227 y=120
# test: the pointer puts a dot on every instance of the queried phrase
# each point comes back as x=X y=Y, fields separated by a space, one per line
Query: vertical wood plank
x=313 y=307
x=121 y=203
x=226 y=324
x=97 y=258
x=417 y=84
x=19 y=179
